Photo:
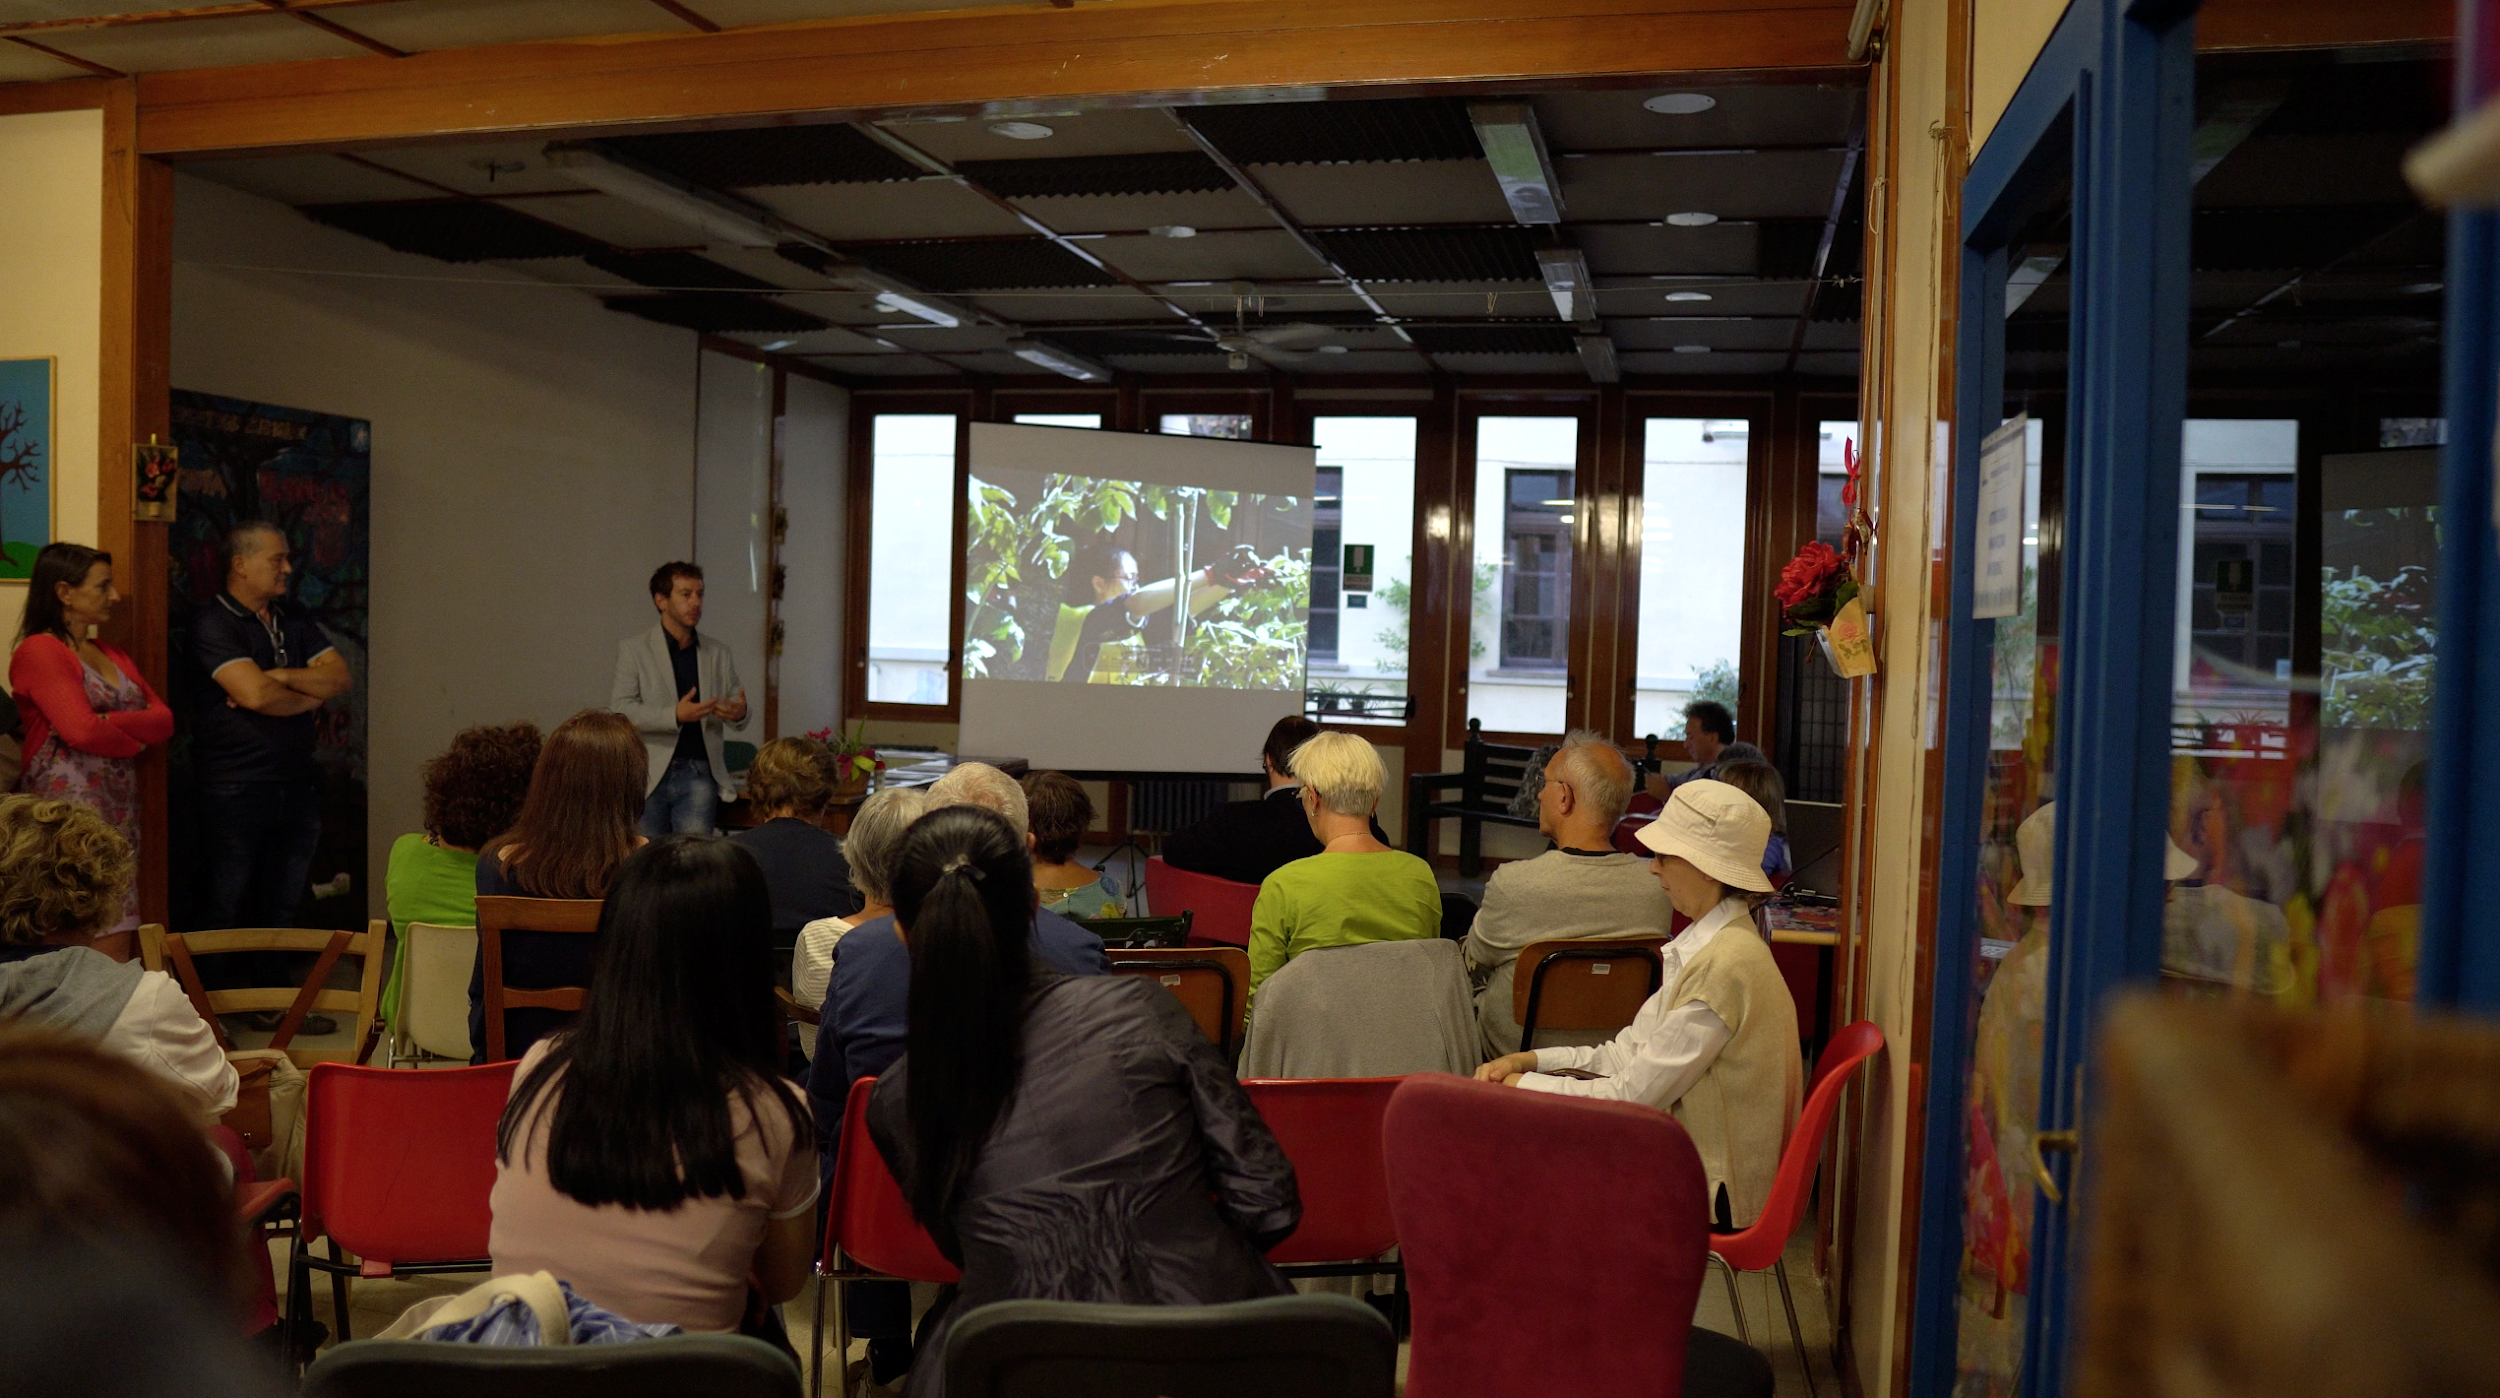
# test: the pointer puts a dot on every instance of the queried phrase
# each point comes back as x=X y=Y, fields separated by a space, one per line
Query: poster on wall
x=25 y=463
x=309 y=474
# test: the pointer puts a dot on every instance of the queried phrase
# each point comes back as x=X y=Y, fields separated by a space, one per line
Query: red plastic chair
x=1330 y=1129
x=1762 y=1246
x=1221 y=905
x=398 y=1170
x=869 y=1232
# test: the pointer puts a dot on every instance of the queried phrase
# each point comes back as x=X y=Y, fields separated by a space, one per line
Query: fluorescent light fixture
x=1688 y=295
x=1059 y=361
x=1173 y=230
x=2026 y=279
x=779 y=345
x=1333 y=349
x=1567 y=280
x=1597 y=355
x=1516 y=149
x=720 y=216
x=900 y=304
x=1692 y=349
x=1681 y=103
x=1694 y=218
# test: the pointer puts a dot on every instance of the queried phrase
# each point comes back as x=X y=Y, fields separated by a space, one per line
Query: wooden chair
x=497 y=916
x=175 y=953
x=1485 y=783
x=1212 y=983
x=1582 y=984
x=433 y=994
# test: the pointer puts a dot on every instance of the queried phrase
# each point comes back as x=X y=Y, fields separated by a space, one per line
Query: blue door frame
x=2117 y=78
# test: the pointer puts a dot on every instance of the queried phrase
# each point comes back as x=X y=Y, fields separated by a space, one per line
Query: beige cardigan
x=1740 y=1112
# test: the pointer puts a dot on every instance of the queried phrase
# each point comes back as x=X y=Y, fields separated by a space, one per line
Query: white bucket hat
x=2035 y=843
x=1717 y=829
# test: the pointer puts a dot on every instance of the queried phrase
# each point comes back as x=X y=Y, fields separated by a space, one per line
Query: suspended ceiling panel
x=1720 y=334
x=1720 y=249
x=1132 y=213
x=154 y=48
x=1765 y=115
x=1765 y=184
x=20 y=64
x=768 y=156
x=1720 y=296
x=1111 y=131
x=307 y=179
x=500 y=167
x=913 y=209
x=418 y=25
x=611 y=220
x=1210 y=257
x=1108 y=303
x=1693 y=364
x=1437 y=191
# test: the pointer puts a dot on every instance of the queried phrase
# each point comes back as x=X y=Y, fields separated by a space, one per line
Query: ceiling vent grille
x=455 y=230
x=1449 y=253
x=717 y=312
x=769 y=155
x=1338 y=133
x=1166 y=172
x=988 y=264
x=676 y=271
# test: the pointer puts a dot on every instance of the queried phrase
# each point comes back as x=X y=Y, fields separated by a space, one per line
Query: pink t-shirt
x=687 y=1266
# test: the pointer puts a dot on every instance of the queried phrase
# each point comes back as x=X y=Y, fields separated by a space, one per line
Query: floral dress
x=109 y=786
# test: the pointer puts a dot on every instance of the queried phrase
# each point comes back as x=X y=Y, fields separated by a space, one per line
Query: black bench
x=1484 y=787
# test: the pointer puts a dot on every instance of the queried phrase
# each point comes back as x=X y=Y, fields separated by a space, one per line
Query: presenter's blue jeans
x=684 y=803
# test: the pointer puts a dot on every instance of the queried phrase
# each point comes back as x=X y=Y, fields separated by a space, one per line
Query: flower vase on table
x=854 y=762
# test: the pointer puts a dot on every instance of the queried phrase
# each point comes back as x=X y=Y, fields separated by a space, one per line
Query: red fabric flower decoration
x=1807 y=575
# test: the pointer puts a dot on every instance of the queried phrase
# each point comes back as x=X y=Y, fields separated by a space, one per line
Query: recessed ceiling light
x=1692 y=349
x=1021 y=130
x=1173 y=230
x=1334 y=349
x=1688 y=295
x=1693 y=219
x=2420 y=288
x=1681 y=103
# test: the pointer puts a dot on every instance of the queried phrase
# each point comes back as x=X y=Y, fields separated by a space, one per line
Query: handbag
x=250 y=1117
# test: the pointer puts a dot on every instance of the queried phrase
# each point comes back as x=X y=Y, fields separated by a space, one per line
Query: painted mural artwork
x=25 y=463
x=309 y=474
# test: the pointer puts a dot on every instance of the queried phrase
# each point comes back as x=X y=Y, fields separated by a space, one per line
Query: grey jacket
x=1377 y=1010
x=645 y=690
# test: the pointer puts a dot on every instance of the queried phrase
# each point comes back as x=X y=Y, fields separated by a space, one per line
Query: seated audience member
x=1356 y=889
x=1067 y=1137
x=473 y=792
x=876 y=834
x=62 y=874
x=1062 y=813
x=581 y=819
x=1248 y=840
x=98 y=1159
x=1761 y=781
x=1581 y=888
x=1708 y=731
x=1717 y=1046
x=866 y=1017
x=652 y=1154
x=789 y=784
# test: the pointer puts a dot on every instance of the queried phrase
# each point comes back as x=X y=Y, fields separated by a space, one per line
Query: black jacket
x=804 y=870
x=1129 y=1166
x=1248 y=840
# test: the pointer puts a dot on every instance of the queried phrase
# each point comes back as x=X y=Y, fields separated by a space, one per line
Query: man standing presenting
x=681 y=689
x=252 y=741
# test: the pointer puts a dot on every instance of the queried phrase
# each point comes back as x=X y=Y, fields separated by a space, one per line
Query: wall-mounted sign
x=1358 y=568
x=1997 y=525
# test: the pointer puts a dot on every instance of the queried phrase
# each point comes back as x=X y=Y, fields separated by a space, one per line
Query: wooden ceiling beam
x=71 y=59
x=1134 y=54
x=2227 y=25
x=234 y=9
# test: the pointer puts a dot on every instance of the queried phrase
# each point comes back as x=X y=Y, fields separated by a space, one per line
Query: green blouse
x=424 y=882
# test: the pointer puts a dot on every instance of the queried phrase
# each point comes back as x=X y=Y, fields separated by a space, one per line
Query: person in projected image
x=1096 y=642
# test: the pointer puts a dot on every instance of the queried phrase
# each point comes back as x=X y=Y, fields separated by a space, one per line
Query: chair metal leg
x=816 y=1340
x=338 y=1296
x=1734 y=1302
x=297 y=1316
x=1796 y=1336
x=841 y=1341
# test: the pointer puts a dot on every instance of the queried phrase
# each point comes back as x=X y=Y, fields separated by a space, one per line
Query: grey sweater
x=1559 y=895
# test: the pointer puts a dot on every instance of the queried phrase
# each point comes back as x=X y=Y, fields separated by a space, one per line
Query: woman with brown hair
x=581 y=820
x=473 y=792
x=789 y=785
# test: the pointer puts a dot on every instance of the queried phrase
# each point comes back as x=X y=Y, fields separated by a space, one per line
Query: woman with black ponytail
x=1059 y=1135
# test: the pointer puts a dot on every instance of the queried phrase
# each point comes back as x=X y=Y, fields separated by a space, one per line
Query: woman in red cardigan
x=87 y=711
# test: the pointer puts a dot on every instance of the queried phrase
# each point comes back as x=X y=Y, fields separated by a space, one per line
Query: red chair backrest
x=868 y=1218
x=1580 y=1280
x=1759 y=1246
x=1222 y=906
x=1330 y=1129
x=398 y=1165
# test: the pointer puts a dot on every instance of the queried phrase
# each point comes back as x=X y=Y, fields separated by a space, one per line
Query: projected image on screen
x=1075 y=579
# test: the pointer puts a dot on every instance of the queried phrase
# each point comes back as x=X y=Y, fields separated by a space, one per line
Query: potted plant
x=854 y=761
x=1818 y=591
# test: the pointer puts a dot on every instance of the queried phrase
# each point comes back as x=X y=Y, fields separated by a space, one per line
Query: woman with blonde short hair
x=875 y=839
x=1356 y=889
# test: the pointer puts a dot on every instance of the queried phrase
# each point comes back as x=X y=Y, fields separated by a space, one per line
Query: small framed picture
x=155 y=481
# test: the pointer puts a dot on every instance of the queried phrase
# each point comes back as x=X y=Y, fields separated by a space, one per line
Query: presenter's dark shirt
x=230 y=743
x=1248 y=840
x=867 y=1010
x=805 y=871
x=681 y=659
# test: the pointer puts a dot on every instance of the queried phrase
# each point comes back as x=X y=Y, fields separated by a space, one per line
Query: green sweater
x=424 y=882
x=1341 y=900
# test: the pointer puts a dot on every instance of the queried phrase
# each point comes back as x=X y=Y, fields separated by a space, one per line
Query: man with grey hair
x=980 y=784
x=1583 y=888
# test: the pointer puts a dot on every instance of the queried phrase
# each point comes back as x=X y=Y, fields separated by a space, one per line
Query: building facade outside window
x=1526 y=469
x=911 y=520
x=1364 y=497
x=1692 y=568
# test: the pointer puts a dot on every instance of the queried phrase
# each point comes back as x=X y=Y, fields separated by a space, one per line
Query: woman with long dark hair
x=652 y=1154
x=580 y=821
x=87 y=710
x=1059 y=1135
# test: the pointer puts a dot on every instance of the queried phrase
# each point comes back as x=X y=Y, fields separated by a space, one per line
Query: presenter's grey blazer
x=645 y=690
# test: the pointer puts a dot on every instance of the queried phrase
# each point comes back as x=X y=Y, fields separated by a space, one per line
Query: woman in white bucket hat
x=1717 y=1046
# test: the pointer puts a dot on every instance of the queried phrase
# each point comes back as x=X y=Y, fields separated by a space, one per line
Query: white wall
x=815 y=442
x=52 y=168
x=533 y=459
x=732 y=499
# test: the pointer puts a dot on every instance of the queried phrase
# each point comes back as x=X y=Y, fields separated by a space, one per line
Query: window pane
x=911 y=521
x=1368 y=465
x=1692 y=569
x=1233 y=425
x=1831 y=465
x=1093 y=420
x=1522 y=612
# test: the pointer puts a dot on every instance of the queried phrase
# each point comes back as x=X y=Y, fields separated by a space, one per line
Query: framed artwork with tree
x=25 y=463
